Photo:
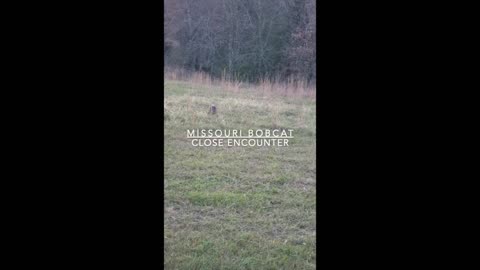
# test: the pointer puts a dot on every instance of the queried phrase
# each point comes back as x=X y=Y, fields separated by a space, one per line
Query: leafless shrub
x=290 y=87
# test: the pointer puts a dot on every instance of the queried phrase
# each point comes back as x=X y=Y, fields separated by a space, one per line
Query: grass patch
x=218 y=198
x=241 y=207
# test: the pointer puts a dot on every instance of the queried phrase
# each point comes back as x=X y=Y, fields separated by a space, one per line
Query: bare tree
x=250 y=39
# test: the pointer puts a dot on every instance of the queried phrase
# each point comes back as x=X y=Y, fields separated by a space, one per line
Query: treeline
x=248 y=40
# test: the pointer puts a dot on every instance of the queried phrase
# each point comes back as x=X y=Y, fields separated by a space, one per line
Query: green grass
x=238 y=207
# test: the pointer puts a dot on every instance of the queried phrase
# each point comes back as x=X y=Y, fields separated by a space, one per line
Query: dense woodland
x=248 y=40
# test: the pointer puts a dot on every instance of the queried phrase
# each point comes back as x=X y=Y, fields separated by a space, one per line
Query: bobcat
x=213 y=109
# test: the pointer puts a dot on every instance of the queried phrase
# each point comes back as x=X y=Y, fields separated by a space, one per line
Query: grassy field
x=238 y=207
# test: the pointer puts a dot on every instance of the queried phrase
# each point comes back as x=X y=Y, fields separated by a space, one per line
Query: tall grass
x=289 y=87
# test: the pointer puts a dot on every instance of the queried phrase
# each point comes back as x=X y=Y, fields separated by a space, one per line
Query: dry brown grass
x=237 y=207
x=291 y=87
